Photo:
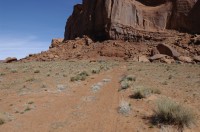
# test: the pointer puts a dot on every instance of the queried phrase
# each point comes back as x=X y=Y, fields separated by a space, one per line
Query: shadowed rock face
x=131 y=19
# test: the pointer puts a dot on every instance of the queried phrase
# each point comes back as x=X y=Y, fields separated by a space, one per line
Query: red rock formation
x=131 y=19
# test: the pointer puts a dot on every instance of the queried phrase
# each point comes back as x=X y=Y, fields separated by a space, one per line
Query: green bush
x=81 y=76
x=171 y=113
x=126 y=81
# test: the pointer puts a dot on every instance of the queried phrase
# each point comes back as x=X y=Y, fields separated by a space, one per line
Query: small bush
x=96 y=71
x=48 y=74
x=143 y=92
x=61 y=87
x=2 y=121
x=124 y=107
x=37 y=71
x=128 y=78
x=30 y=79
x=13 y=70
x=30 y=102
x=125 y=85
x=171 y=113
x=2 y=74
x=27 y=109
x=82 y=76
x=126 y=81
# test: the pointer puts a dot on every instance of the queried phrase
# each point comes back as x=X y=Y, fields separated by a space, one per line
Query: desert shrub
x=13 y=70
x=27 y=109
x=155 y=91
x=124 y=84
x=126 y=81
x=124 y=107
x=128 y=78
x=96 y=71
x=30 y=102
x=30 y=79
x=37 y=71
x=81 y=76
x=2 y=74
x=2 y=121
x=48 y=74
x=171 y=113
x=61 y=87
x=143 y=92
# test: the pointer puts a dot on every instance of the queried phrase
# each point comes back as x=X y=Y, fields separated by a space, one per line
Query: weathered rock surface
x=185 y=59
x=132 y=19
x=197 y=58
x=157 y=57
x=143 y=59
x=55 y=42
x=167 y=50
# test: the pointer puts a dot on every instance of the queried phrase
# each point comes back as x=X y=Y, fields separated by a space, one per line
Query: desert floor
x=40 y=96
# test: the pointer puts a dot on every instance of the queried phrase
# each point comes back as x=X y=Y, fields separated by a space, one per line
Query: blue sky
x=27 y=26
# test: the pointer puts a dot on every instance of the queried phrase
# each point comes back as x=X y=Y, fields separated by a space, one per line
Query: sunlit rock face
x=130 y=19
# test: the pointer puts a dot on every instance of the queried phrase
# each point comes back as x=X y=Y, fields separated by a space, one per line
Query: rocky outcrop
x=10 y=59
x=55 y=42
x=131 y=19
x=167 y=50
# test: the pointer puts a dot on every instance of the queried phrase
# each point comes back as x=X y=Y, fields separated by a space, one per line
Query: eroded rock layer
x=131 y=19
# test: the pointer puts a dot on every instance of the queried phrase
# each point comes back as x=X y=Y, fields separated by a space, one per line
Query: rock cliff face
x=131 y=19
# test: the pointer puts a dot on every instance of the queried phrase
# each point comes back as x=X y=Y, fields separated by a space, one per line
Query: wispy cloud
x=15 y=46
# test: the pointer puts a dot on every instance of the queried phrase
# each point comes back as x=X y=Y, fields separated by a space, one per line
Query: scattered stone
x=185 y=59
x=168 y=61
x=157 y=57
x=143 y=59
x=197 y=58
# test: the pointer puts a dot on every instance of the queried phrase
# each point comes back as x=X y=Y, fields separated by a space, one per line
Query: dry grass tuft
x=171 y=113
x=81 y=76
x=124 y=107
x=143 y=92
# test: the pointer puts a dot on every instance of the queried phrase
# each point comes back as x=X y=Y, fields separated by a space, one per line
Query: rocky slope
x=175 y=46
x=131 y=30
x=131 y=19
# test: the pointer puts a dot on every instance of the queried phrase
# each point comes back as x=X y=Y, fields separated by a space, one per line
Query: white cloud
x=12 y=46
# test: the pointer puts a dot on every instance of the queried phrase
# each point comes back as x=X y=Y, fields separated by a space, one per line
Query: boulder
x=196 y=58
x=195 y=40
x=185 y=59
x=88 y=40
x=167 y=50
x=168 y=61
x=10 y=59
x=157 y=57
x=55 y=42
x=143 y=59
x=131 y=19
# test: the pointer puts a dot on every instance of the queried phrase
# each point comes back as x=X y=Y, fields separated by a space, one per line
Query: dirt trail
x=96 y=111
x=80 y=108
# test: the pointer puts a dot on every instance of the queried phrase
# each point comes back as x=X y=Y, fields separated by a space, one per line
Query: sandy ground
x=39 y=96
